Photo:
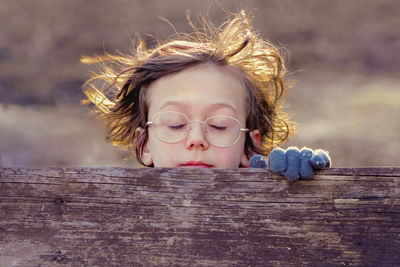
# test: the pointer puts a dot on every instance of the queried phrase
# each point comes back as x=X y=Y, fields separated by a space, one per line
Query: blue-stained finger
x=292 y=172
x=277 y=160
x=258 y=161
x=306 y=170
x=320 y=159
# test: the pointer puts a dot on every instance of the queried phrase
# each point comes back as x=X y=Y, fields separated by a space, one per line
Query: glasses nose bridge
x=202 y=123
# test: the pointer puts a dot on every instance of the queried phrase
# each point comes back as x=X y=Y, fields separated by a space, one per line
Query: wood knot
x=59 y=201
x=59 y=257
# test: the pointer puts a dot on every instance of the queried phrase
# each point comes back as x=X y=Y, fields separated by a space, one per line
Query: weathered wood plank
x=160 y=217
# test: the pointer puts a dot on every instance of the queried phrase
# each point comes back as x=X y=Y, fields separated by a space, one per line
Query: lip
x=196 y=164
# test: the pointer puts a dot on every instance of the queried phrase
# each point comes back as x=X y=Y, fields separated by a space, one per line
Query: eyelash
x=177 y=127
x=219 y=128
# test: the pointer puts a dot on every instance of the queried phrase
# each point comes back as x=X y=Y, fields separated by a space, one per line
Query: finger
x=306 y=170
x=258 y=161
x=277 y=160
x=320 y=159
x=292 y=172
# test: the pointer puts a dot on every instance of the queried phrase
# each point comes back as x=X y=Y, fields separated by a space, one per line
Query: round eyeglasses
x=172 y=127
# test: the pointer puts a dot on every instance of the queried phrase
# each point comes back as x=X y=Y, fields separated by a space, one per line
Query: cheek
x=228 y=157
x=157 y=151
x=161 y=153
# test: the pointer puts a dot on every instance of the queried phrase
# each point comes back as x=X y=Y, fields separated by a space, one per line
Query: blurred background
x=344 y=57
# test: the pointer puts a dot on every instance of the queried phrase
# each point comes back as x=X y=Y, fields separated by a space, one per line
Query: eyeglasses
x=172 y=127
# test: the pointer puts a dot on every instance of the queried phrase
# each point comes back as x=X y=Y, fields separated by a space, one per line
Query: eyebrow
x=213 y=106
x=173 y=103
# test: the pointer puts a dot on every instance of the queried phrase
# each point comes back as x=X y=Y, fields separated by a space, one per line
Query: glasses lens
x=170 y=127
x=222 y=131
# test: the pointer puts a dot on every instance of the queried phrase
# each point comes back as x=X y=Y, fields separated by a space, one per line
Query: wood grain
x=198 y=217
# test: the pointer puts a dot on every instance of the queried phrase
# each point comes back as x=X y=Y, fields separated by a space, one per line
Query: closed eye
x=219 y=128
x=177 y=127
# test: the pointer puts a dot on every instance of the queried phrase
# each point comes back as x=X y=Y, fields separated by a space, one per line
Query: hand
x=295 y=164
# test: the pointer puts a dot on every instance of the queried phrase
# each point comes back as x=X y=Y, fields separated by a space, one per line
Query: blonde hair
x=118 y=90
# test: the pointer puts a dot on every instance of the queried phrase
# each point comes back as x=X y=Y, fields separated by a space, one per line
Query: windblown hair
x=119 y=88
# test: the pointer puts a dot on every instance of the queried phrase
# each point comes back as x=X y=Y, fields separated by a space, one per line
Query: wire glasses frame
x=172 y=127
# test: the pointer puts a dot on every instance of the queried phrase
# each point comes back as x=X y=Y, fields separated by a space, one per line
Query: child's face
x=199 y=93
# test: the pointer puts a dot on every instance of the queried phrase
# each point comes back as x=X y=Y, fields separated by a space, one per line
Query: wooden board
x=199 y=217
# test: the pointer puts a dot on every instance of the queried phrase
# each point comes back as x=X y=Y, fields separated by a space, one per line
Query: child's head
x=209 y=99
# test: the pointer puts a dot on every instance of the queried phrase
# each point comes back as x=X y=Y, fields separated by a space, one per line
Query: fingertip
x=258 y=161
x=306 y=153
x=292 y=172
x=327 y=159
x=277 y=160
x=293 y=153
x=293 y=148
x=306 y=170
x=320 y=159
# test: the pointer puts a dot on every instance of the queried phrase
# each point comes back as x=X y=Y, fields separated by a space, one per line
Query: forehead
x=198 y=89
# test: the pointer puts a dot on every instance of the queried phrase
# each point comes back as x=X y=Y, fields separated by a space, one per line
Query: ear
x=256 y=138
x=146 y=153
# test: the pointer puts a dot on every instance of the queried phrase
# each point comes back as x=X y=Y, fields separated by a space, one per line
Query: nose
x=195 y=138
